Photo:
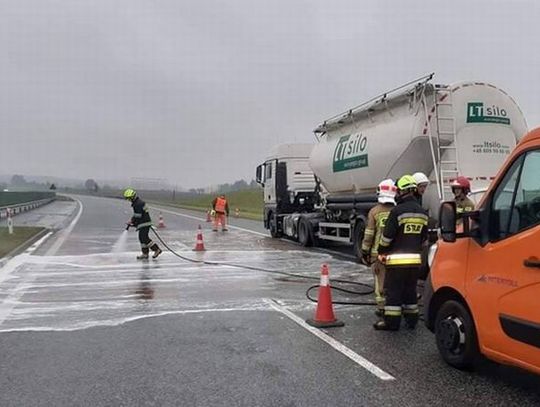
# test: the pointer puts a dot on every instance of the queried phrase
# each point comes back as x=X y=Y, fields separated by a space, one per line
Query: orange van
x=483 y=292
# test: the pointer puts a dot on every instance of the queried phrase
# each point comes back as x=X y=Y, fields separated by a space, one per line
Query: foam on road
x=78 y=292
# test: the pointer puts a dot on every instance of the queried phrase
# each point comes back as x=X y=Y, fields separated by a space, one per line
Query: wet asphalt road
x=83 y=323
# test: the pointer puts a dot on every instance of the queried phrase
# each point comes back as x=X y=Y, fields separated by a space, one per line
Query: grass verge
x=249 y=203
x=20 y=235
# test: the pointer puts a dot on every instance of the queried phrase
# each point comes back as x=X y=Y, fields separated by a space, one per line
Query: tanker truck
x=322 y=192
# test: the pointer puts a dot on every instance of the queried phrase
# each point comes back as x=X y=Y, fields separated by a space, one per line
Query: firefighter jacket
x=377 y=217
x=464 y=205
x=220 y=205
x=141 y=217
x=405 y=232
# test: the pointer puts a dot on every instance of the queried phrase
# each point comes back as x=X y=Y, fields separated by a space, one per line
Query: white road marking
x=64 y=234
x=355 y=357
x=204 y=220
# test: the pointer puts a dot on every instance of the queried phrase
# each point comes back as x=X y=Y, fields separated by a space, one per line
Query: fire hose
x=369 y=288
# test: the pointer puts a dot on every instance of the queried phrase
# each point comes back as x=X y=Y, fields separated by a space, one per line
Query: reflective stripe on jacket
x=403 y=259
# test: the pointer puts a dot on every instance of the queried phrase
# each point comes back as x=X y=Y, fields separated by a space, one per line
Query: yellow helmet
x=406 y=182
x=130 y=193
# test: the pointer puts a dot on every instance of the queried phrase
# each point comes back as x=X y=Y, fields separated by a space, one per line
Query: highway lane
x=84 y=323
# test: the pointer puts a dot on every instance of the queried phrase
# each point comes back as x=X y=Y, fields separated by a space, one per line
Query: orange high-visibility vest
x=220 y=205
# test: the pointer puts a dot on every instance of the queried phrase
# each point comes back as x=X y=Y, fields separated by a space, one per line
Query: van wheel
x=272 y=225
x=304 y=233
x=456 y=335
x=358 y=236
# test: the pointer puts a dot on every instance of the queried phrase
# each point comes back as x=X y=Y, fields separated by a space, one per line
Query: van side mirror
x=447 y=221
x=258 y=175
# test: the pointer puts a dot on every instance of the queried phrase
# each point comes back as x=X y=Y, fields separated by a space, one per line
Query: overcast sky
x=197 y=91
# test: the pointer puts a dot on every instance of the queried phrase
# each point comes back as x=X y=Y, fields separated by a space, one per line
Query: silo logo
x=350 y=153
x=477 y=113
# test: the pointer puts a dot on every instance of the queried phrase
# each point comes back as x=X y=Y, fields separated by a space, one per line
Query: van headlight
x=431 y=254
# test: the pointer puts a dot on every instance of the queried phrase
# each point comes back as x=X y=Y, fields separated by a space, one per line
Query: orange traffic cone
x=208 y=216
x=324 y=316
x=161 y=223
x=199 y=246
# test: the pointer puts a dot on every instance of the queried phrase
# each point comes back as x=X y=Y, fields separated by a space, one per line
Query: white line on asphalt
x=355 y=357
x=204 y=220
x=65 y=233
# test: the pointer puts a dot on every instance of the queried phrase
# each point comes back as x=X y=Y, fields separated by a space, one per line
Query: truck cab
x=483 y=293
x=289 y=185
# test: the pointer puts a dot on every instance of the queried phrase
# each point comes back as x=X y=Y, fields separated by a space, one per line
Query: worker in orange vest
x=221 y=208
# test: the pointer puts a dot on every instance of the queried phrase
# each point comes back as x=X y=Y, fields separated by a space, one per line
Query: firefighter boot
x=157 y=251
x=411 y=316
x=144 y=255
x=389 y=323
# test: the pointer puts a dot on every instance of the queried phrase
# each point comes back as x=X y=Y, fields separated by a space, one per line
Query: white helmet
x=420 y=178
x=386 y=191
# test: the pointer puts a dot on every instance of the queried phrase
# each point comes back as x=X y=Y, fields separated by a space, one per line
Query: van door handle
x=532 y=262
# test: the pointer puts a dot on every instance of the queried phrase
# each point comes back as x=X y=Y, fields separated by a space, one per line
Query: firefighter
x=422 y=182
x=142 y=222
x=221 y=208
x=400 y=251
x=377 y=216
x=461 y=187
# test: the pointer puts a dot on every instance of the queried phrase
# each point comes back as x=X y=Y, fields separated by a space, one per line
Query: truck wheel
x=304 y=233
x=358 y=236
x=456 y=335
x=272 y=223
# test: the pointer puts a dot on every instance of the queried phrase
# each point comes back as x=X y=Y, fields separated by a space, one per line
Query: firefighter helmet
x=129 y=193
x=406 y=183
x=463 y=183
x=420 y=178
x=386 y=191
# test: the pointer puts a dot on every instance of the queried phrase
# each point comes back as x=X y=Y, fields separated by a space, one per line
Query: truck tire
x=455 y=334
x=273 y=226
x=358 y=236
x=304 y=233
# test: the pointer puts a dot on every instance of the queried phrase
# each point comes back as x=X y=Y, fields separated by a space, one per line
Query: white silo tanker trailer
x=323 y=192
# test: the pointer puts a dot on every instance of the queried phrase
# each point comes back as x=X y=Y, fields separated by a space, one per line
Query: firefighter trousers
x=379 y=272
x=401 y=299
x=146 y=242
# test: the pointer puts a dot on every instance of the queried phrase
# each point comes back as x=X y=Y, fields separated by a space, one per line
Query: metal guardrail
x=22 y=207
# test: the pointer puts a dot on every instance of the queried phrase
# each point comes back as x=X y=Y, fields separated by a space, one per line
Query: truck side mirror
x=258 y=175
x=447 y=221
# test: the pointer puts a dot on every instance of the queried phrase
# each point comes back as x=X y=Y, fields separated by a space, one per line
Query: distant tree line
x=226 y=188
x=90 y=185
x=19 y=182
